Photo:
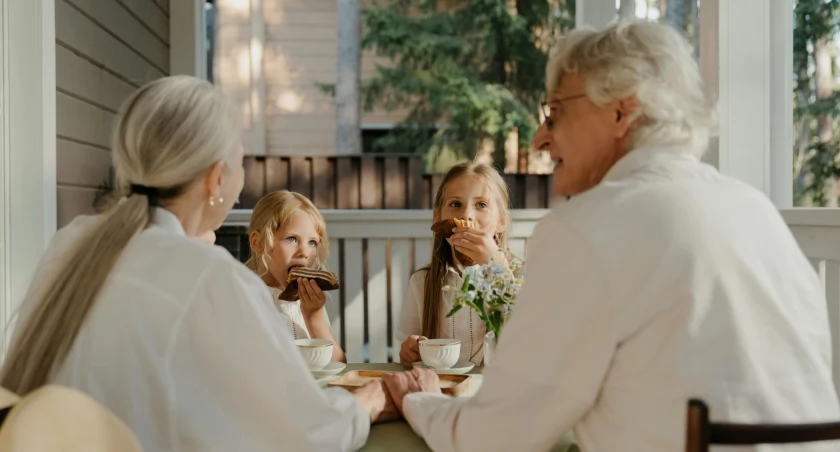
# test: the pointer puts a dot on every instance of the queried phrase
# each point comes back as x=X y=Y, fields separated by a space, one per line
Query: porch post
x=27 y=146
x=595 y=13
x=746 y=58
x=187 y=35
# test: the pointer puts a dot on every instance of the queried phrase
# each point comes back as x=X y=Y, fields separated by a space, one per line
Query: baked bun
x=326 y=281
x=445 y=227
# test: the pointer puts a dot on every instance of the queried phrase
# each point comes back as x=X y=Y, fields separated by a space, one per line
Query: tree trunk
x=348 y=84
x=823 y=67
x=627 y=9
x=675 y=14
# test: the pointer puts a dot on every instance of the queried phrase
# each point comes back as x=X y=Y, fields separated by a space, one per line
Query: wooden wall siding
x=297 y=49
x=370 y=182
x=105 y=49
x=374 y=253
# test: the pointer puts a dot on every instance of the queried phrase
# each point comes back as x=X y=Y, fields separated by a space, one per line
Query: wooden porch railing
x=374 y=253
x=382 y=181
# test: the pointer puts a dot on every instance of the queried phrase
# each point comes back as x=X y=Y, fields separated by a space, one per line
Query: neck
x=271 y=281
x=189 y=214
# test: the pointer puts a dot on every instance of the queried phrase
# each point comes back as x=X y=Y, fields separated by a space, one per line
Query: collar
x=640 y=158
x=167 y=221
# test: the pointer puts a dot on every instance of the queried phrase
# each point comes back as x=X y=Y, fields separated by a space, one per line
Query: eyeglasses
x=547 y=110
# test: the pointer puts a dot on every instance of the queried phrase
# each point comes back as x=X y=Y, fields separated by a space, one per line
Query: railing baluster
x=377 y=296
x=831 y=280
x=354 y=296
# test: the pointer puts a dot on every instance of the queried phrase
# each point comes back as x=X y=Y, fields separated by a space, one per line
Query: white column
x=746 y=57
x=187 y=35
x=258 y=86
x=595 y=13
x=27 y=146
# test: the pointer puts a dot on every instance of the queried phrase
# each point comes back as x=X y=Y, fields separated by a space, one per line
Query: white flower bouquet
x=490 y=290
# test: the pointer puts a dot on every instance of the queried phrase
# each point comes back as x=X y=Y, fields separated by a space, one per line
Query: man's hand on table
x=416 y=380
x=376 y=400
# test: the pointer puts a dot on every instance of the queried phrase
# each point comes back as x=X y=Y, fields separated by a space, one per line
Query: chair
x=55 y=418
x=701 y=433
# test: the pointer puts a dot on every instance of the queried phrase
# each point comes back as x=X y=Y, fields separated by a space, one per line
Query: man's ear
x=625 y=108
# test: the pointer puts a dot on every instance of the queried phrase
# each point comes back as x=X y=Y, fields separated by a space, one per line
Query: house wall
x=105 y=49
x=295 y=47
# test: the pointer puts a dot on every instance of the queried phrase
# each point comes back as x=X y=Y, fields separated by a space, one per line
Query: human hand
x=377 y=401
x=312 y=298
x=416 y=380
x=478 y=245
x=410 y=349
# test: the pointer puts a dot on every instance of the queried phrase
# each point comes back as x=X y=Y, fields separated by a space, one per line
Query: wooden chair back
x=701 y=433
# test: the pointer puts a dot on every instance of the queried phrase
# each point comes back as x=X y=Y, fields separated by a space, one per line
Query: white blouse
x=185 y=345
x=465 y=325
x=291 y=309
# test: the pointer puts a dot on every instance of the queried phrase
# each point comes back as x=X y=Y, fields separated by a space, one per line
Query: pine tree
x=476 y=68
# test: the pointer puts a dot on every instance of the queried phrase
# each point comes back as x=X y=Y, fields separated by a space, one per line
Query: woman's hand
x=410 y=349
x=312 y=298
x=478 y=245
x=375 y=399
x=416 y=380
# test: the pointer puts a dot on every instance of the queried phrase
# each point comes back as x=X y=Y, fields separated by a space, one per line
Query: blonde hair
x=650 y=61
x=272 y=212
x=442 y=252
x=170 y=132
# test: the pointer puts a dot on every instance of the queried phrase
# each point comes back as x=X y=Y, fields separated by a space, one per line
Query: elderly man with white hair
x=659 y=281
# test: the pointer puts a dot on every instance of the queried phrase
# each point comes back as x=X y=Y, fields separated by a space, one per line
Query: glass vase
x=489 y=347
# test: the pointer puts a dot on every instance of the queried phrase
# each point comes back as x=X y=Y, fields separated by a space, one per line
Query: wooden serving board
x=451 y=385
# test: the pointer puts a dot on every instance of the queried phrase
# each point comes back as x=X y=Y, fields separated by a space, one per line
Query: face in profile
x=584 y=140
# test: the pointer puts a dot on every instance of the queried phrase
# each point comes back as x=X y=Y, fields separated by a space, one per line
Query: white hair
x=650 y=61
x=169 y=133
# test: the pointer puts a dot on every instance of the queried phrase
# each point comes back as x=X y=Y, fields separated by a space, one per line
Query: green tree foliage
x=815 y=160
x=466 y=73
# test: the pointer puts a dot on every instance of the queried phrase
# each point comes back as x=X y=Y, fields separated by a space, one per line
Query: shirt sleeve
x=410 y=321
x=239 y=383
x=551 y=358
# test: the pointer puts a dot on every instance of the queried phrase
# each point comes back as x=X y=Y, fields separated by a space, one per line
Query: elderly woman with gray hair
x=659 y=281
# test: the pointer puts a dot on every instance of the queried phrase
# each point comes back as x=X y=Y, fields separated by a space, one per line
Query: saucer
x=461 y=367
x=331 y=369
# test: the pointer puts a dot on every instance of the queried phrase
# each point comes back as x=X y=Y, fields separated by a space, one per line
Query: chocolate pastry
x=326 y=281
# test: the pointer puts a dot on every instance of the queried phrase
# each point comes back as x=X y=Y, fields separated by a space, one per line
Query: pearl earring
x=212 y=203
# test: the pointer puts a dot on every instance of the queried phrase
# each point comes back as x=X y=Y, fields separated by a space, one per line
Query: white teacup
x=316 y=352
x=440 y=353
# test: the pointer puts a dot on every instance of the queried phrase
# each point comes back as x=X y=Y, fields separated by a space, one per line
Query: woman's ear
x=255 y=240
x=213 y=179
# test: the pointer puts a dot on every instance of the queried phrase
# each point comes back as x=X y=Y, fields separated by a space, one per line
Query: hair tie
x=150 y=192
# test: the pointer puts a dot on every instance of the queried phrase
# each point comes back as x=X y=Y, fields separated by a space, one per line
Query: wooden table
x=398 y=435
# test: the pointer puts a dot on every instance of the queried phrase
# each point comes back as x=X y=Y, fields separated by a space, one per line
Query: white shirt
x=465 y=325
x=665 y=282
x=185 y=345
x=291 y=309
